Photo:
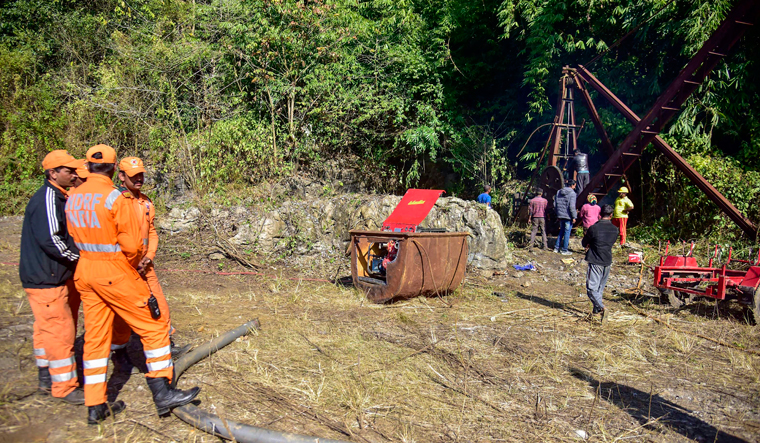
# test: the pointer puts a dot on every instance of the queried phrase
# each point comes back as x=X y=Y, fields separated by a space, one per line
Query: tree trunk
x=274 y=127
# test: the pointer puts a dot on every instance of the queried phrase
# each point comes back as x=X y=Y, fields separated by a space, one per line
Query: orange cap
x=57 y=158
x=131 y=166
x=108 y=155
x=82 y=172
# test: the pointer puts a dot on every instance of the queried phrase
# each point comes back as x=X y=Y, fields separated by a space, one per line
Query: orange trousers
x=621 y=223
x=111 y=288
x=122 y=331
x=158 y=292
x=54 y=334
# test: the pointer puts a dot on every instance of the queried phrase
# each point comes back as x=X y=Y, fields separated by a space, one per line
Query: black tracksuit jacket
x=600 y=238
x=48 y=253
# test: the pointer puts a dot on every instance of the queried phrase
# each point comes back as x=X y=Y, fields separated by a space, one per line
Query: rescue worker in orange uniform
x=103 y=224
x=132 y=177
x=48 y=259
x=122 y=365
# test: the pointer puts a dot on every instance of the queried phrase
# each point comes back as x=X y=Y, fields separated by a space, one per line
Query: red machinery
x=681 y=280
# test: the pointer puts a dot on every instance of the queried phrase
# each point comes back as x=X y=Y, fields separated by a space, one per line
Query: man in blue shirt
x=485 y=198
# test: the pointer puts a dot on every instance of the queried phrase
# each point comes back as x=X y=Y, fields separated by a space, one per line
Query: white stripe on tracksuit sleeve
x=52 y=219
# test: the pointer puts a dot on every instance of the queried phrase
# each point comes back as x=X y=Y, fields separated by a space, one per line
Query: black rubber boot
x=45 y=382
x=122 y=370
x=167 y=398
x=75 y=397
x=96 y=414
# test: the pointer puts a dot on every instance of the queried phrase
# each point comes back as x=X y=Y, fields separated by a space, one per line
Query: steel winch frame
x=646 y=130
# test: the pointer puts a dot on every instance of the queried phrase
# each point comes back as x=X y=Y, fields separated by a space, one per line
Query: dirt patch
x=506 y=358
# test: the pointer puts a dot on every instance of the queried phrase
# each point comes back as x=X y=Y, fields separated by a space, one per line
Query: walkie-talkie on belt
x=155 y=311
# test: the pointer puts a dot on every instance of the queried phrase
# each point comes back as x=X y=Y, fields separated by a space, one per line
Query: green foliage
x=219 y=94
x=681 y=210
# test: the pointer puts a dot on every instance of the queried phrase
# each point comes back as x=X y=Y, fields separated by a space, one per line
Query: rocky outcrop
x=320 y=226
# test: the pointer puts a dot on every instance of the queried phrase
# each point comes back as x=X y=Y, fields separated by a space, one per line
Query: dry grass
x=477 y=367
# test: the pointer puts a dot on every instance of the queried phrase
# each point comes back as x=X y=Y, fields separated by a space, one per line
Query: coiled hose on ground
x=228 y=429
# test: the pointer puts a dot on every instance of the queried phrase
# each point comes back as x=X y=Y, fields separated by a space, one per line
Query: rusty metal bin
x=427 y=264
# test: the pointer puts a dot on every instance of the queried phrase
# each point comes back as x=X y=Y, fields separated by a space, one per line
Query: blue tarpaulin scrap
x=527 y=267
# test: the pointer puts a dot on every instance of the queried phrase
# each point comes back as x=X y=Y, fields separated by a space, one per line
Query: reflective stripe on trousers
x=39 y=356
x=97 y=363
x=63 y=362
x=64 y=377
x=95 y=370
x=159 y=359
x=93 y=379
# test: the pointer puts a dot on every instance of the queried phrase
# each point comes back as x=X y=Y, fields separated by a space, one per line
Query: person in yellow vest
x=623 y=205
x=132 y=177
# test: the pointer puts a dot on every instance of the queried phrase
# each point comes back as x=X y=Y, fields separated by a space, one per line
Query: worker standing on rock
x=132 y=178
x=103 y=224
x=564 y=207
x=48 y=259
x=623 y=205
x=598 y=241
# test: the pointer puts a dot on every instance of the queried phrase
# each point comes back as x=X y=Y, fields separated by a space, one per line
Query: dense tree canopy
x=239 y=91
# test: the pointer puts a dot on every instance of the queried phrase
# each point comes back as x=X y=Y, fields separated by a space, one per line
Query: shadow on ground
x=569 y=307
x=650 y=410
x=346 y=282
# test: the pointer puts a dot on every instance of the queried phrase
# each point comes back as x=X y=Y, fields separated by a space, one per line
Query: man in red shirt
x=537 y=208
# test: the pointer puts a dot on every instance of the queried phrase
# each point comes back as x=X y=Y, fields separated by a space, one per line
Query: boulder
x=317 y=226
x=179 y=220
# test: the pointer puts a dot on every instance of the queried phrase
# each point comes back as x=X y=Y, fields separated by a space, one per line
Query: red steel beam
x=696 y=178
x=668 y=105
x=556 y=135
x=606 y=143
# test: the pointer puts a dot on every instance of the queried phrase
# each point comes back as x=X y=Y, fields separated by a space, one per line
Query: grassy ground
x=505 y=358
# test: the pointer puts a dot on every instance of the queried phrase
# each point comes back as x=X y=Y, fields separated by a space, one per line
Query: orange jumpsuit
x=103 y=224
x=146 y=214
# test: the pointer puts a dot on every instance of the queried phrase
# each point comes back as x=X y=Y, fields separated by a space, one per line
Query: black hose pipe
x=227 y=429
x=209 y=348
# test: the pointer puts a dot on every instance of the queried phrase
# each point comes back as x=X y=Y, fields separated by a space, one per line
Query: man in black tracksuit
x=599 y=239
x=48 y=259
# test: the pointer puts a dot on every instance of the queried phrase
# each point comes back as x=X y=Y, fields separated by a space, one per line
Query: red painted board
x=411 y=210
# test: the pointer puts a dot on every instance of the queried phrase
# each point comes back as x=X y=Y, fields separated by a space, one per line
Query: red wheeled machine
x=681 y=280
